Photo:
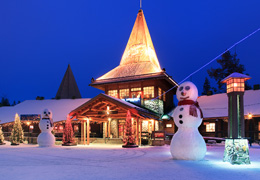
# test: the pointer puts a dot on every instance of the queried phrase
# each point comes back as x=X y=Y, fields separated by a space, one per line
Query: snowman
x=187 y=143
x=46 y=138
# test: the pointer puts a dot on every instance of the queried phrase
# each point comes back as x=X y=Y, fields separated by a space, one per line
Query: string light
x=202 y=67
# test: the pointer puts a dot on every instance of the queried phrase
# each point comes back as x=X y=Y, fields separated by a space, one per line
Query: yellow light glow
x=235 y=84
x=250 y=116
x=108 y=109
x=109 y=119
x=28 y=123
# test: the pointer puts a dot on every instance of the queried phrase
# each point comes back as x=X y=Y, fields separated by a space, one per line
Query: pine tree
x=206 y=87
x=68 y=135
x=129 y=133
x=2 y=138
x=17 y=132
x=229 y=64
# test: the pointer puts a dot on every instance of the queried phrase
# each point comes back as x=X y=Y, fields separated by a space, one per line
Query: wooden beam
x=137 y=131
x=109 y=124
x=84 y=130
x=105 y=126
x=140 y=133
x=87 y=132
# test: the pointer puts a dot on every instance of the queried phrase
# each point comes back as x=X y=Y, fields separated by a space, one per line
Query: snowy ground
x=113 y=162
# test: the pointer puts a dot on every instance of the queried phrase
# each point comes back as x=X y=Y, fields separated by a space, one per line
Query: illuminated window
x=149 y=92
x=135 y=89
x=112 y=93
x=168 y=125
x=160 y=93
x=210 y=127
x=164 y=96
x=136 y=92
x=124 y=93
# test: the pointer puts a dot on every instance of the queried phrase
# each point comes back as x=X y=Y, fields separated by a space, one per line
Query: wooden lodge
x=138 y=84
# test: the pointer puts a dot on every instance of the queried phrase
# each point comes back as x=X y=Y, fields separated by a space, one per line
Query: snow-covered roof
x=216 y=106
x=60 y=108
x=236 y=75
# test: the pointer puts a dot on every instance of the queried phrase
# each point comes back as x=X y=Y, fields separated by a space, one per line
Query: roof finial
x=140 y=4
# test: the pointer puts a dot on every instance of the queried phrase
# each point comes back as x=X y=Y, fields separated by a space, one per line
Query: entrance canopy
x=102 y=107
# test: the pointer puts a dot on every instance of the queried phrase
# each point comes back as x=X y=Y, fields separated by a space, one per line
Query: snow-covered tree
x=17 y=132
x=68 y=135
x=129 y=133
x=2 y=138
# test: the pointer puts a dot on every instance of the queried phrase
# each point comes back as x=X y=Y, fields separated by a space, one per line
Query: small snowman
x=46 y=138
x=187 y=143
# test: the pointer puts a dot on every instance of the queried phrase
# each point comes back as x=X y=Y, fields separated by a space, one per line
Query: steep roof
x=68 y=88
x=139 y=57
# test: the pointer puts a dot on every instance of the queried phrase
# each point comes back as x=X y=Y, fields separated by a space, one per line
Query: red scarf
x=193 y=106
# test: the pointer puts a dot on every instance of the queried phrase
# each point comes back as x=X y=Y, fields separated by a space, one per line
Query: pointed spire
x=139 y=56
x=68 y=88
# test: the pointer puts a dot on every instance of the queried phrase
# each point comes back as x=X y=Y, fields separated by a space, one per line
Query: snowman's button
x=180 y=116
x=180 y=121
x=181 y=109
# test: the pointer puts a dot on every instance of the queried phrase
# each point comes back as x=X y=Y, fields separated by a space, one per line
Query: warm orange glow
x=108 y=111
x=235 y=84
x=28 y=123
x=250 y=116
x=31 y=126
x=139 y=56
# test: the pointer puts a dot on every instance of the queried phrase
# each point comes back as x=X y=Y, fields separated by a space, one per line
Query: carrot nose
x=183 y=93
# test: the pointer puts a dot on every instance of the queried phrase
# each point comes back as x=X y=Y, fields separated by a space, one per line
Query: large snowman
x=187 y=143
x=46 y=138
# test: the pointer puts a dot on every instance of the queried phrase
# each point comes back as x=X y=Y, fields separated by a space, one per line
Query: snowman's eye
x=187 y=88
x=44 y=112
x=49 y=113
x=181 y=88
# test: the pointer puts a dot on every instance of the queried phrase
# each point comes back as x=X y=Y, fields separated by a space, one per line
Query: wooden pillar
x=105 y=126
x=137 y=131
x=84 y=131
x=81 y=131
x=88 y=132
x=153 y=125
x=109 y=124
x=140 y=134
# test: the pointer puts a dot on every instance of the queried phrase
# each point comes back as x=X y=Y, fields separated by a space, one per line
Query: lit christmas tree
x=129 y=133
x=17 y=132
x=68 y=135
x=2 y=138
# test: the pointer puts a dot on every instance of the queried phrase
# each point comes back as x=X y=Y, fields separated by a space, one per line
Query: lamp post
x=31 y=129
x=236 y=148
x=28 y=124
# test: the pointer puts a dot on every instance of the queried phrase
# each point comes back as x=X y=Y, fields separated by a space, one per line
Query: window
x=112 y=93
x=160 y=93
x=210 y=127
x=135 y=89
x=164 y=96
x=136 y=92
x=124 y=93
x=168 y=125
x=149 y=92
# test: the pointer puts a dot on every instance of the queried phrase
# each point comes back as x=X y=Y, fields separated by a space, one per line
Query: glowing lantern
x=236 y=148
x=235 y=82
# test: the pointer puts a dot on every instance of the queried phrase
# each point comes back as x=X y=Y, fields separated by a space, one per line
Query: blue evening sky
x=38 y=38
